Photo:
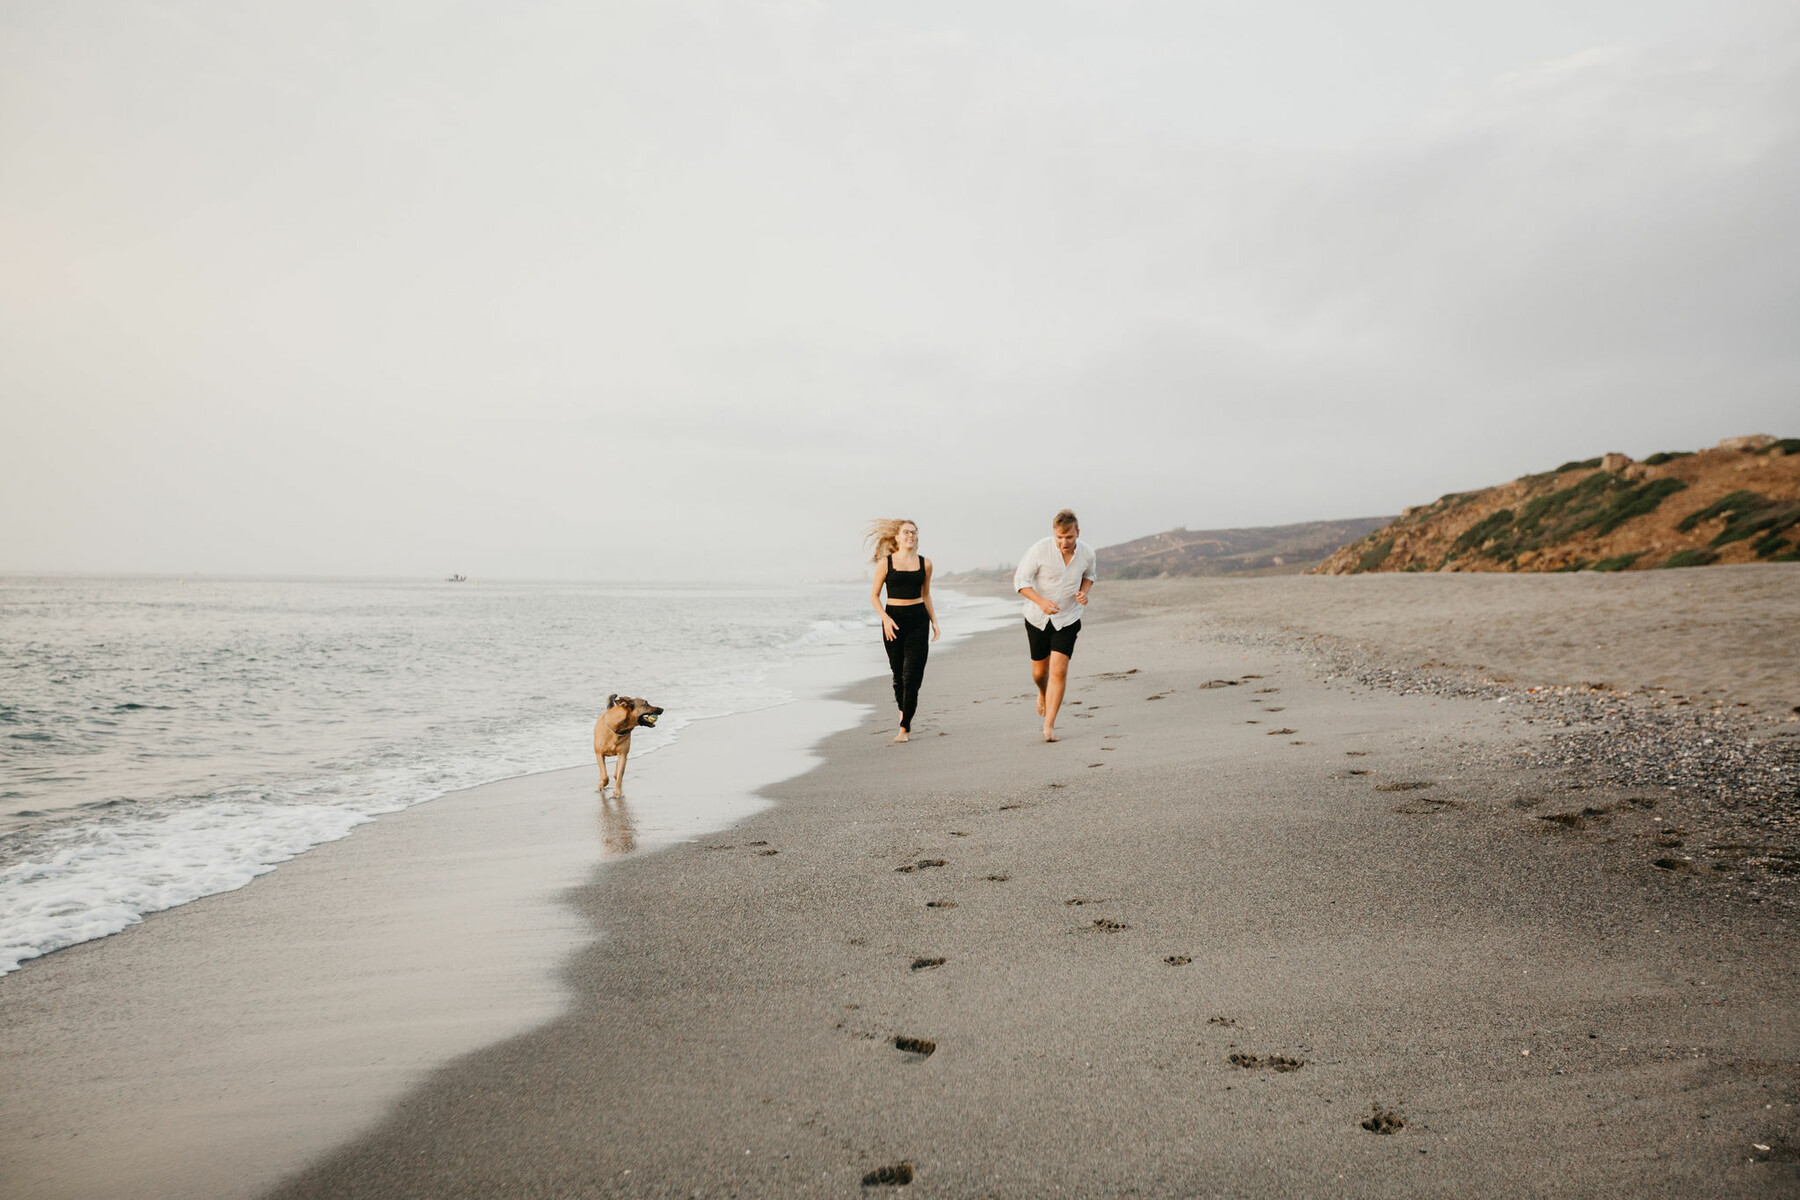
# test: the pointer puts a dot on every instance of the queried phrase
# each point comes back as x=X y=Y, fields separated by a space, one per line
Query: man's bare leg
x=1040 y=675
x=1058 y=664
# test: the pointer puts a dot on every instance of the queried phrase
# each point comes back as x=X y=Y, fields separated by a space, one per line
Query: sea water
x=165 y=739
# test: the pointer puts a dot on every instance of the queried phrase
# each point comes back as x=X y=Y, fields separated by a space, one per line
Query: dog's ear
x=612 y=701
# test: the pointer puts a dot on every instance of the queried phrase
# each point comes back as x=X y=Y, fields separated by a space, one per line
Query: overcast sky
x=690 y=290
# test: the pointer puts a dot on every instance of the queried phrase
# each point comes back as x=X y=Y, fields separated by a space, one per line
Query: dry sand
x=1294 y=867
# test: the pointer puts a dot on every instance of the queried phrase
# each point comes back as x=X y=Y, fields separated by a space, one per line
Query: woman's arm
x=926 y=593
x=888 y=629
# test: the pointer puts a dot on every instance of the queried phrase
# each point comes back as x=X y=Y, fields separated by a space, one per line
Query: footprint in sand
x=1178 y=960
x=909 y=868
x=1425 y=806
x=1413 y=786
x=1383 y=1120
x=1106 y=926
x=1223 y=1022
x=923 y=1047
x=897 y=1175
x=940 y=904
x=1083 y=900
x=1357 y=753
x=926 y=964
x=998 y=878
x=1281 y=732
x=1265 y=1062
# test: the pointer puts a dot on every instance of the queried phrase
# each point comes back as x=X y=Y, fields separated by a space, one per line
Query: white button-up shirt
x=1043 y=570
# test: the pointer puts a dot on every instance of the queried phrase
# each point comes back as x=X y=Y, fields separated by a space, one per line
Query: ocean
x=165 y=739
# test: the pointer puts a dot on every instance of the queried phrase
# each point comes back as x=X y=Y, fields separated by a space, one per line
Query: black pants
x=906 y=655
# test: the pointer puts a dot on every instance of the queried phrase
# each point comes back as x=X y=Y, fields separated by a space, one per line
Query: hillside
x=1265 y=550
x=1737 y=502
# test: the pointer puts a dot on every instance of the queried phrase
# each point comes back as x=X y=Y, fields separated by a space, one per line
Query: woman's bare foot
x=901 y=737
x=1050 y=734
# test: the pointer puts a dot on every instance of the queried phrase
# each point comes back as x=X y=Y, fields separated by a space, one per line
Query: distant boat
x=457 y=579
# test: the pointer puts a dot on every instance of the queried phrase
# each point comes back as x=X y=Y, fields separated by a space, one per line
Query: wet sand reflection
x=618 y=831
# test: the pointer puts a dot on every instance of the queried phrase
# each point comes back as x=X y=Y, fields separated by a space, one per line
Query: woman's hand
x=934 y=631
x=890 y=629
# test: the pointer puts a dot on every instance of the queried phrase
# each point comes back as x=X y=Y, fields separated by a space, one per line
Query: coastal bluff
x=1736 y=502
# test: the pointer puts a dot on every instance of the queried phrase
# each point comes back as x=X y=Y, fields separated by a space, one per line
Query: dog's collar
x=630 y=724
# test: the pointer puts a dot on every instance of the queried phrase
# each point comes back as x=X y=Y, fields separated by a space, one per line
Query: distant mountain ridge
x=1737 y=502
x=1259 y=550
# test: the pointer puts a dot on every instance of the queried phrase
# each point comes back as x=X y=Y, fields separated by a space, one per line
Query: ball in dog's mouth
x=647 y=719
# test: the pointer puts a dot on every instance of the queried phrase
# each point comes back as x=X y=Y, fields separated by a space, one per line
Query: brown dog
x=612 y=734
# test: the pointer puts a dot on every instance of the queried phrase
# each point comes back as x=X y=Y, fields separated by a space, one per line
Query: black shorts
x=1050 y=638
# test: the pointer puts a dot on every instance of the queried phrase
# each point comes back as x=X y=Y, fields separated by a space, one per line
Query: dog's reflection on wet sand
x=618 y=832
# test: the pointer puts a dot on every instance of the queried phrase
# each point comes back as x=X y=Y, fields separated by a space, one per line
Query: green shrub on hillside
x=1375 y=555
x=1770 y=545
x=1725 y=506
x=1600 y=502
x=1785 y=445
x=1661 y=457
x=1586 y=464
x=1747 y=515
x=1691 y=558
x=1635 y=502
x=1618 y=562
x=1490 y=526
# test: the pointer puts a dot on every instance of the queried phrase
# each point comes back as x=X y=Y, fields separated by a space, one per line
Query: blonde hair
x=1065 y=520
x=883 y=537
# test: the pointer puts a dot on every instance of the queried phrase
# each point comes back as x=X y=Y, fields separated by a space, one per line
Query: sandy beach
x=1314 y=855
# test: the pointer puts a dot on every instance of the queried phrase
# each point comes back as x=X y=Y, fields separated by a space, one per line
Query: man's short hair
x=1065 y=520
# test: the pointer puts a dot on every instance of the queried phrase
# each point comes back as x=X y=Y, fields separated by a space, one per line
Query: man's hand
x=1081 y=598
x=1049 y=607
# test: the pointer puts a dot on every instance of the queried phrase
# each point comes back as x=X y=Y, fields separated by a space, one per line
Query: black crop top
x=905 y=585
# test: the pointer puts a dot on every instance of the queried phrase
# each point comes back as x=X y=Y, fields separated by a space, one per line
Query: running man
x=1055 y=577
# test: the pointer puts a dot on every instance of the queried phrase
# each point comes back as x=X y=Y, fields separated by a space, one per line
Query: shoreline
x=215 y=1046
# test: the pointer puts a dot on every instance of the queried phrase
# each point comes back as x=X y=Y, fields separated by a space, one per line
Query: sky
x=691 y=290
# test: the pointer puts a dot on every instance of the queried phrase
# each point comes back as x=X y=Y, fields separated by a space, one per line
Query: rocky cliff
x=1737 y=502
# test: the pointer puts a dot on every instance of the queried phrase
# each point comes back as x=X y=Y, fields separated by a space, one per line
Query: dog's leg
x=619 y=772
x=601 y=759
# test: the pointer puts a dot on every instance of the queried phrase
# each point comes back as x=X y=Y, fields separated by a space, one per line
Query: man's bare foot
x=1050 y=735
x=901 y=737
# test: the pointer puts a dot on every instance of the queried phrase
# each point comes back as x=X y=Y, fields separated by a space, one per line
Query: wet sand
x=1113 y=945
